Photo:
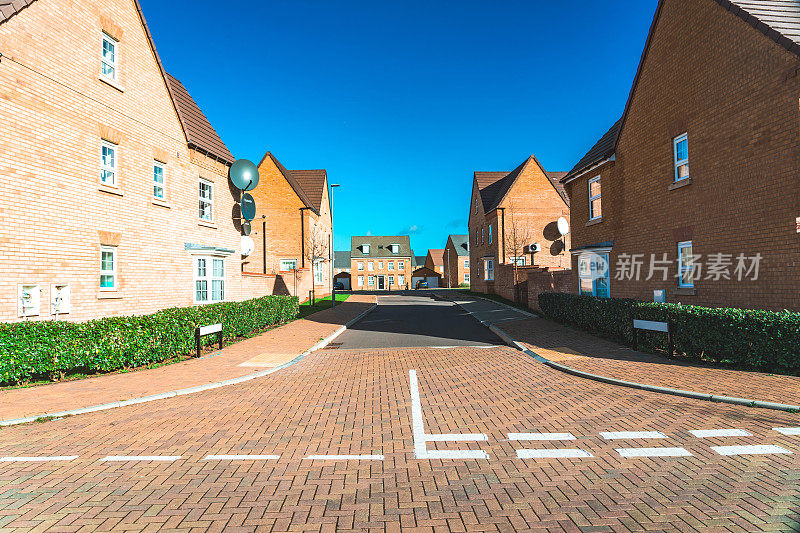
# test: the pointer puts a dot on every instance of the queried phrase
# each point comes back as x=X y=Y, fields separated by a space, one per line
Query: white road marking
x=240 y=457
x=707 y=433
x=553 y=454
x=653 y=452
x=421 y=439
x=345 y=457
x=612 y=435
x=140 y=458
x=541 y=436
x=37 y=459
x=788 y=431
x=760 y=449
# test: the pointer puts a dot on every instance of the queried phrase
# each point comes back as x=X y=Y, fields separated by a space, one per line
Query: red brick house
x=456 y=261
x=510 y=211
x=382 y=263
x=691 y=196
x=435 y=260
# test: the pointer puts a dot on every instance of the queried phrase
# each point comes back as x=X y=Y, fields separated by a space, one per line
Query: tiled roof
x=461 y=244
x=313 y=183
x=199 y=132
x=11 y=7
x=777 y=19
x=379 y=246
x=341 y=259
x=418 y=260
x=289 y=177
x=602 y=150
x=437 y=255
x=494 y=186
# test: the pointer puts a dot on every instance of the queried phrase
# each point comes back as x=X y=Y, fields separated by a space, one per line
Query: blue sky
x=402 y=101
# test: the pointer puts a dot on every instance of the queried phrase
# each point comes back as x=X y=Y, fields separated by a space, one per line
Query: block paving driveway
x=464 y=438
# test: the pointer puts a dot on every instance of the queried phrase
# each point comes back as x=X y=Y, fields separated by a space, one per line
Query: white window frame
x=380 y=265
x=112 y=169
x=361 y=265
x=401 y=265
x=365 y=249
x=114 y=65
x=394 y=248
x=201 y=200
x=391 y=281
x=163 y=184
x=598 y=196
x=488 y=269
x=466 y=277
x=589 y=276
x=390 y=265
x=683 y=268
x=319 y=272
x=520 y=261
x=286 y=262
x=466 y=263
x=679 y=163
x=209 y=276
x=370 y=266
x=106 y=272
x=401 y=280
x=371 y=281
x=360 y=281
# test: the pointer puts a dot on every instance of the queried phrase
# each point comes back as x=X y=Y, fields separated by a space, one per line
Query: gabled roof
x=437 y=256
x=418 y=260
x=494 y=186
x=460 y=243
x=200 y=134
x=602 y=150
x=341 y=259
x=313 y=183
x=293 y=182
x=379 y=246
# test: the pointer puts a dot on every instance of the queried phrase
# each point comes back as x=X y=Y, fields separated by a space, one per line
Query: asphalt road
x=416 y=321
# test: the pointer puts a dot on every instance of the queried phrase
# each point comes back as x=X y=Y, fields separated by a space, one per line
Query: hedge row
x=758 y=340
x=44 y=349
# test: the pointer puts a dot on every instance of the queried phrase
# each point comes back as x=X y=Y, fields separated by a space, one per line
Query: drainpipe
x=303 y=238
x=503 y=211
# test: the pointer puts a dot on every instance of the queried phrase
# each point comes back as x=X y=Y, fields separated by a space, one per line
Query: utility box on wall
x=60 y=298
x=29 y=298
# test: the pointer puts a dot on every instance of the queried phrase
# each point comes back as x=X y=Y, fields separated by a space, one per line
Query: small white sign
x=207 y=330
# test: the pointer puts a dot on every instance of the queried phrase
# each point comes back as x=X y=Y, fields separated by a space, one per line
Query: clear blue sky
x=402 y=101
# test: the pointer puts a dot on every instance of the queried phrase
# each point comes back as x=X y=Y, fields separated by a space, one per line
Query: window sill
x=685 y=291
x=109 y=295
x=161 y=203
x=206 y=224
x=111 y=190
x=111 y=83
x=594 y=221
x=678 y=184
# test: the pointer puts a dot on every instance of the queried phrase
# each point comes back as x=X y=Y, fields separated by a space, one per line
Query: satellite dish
x=248 y=245
x=248 y=206
x=246 y=229
x=563 y=226
x=244 y=174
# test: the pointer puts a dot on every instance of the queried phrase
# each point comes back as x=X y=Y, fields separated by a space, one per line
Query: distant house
x=692 y=196
x=433 y=278
x=341 y=269
x=456 y=261
x=435 y=260
x=381 y=263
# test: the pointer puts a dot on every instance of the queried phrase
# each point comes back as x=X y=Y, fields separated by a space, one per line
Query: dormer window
x=365 y=248
x=394 y=248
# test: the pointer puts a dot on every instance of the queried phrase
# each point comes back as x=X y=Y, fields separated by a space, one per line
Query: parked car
x=422 y=284
x=338 y=285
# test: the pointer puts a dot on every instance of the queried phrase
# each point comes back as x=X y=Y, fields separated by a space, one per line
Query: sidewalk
x=272 y=349
x=585 y=352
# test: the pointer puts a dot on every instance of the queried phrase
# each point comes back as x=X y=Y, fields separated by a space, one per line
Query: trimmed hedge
x=758 y=340
x=43 y=349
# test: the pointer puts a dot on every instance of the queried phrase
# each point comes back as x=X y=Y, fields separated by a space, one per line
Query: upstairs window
x=394 y=248
x=391 y=265
x=361 y=265
x=466 y=263
x=108 y=58
x=159 y=173
x=108 y=163
x=206 y=200
x=681 y=152
x=595 y=208
x=370 y=266
x=490 y=234
x=365 y=249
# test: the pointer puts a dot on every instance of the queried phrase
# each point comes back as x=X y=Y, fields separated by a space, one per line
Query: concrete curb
x=190 y=390
x=631 y=384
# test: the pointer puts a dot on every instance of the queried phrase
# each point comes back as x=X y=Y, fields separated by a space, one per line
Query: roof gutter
x=600 y=163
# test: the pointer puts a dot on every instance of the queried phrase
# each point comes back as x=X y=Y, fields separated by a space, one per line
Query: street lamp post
x=333 y=253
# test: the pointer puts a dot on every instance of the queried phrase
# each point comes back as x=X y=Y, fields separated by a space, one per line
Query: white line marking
x=788 y=431
x=653 y=452
x=758 y=449
x=240 y=457
x=455 y=437
x=345 y=457
x=612 y=435
x=37 y=459
x=707 y=433
x=420 y=448
x=456 y=454
x=552 y=454
x=141 y=458
x=541 y=436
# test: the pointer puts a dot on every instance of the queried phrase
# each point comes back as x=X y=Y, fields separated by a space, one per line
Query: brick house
x=435 y=260
x=508 y=211
x=456 y=261
x=115 y=191
x=292 y=230
x=721 y=100
x=380 y=263
x=341 y=269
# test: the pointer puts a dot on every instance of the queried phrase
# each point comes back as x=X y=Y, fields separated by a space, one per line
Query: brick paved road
x=359 y=402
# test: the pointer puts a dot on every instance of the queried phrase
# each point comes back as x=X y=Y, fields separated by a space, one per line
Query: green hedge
x=43 y=349
x=757 y=340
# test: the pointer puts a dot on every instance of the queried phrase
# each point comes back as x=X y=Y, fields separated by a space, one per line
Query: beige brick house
x=700 y=175
x=292 y=230
x=379 y=263
x=508 y=212
x=456 y=261
x=114 y=191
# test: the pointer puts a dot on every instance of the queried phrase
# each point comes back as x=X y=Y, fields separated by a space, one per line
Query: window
x=319 y=272
x=206 y=200
x=466 y=277
x=394 y=248
x=108 y=268
x=288 y=264
x=159 y=171
x=371 y=281
x=360 y=281
x=209 y=273
x=108 y=163
x=520 y=261
x=380 y=265
x=466 y=263
x=482 y=235
x=595 y=210
x=361 y=265
x=365 y=249
x=681 y=153
x=370 y=266
x=391 y=265
x=593 y=275
x=476 y=205
x=401 y=281
x=108 y=57
x=401 y=265
x=391 y=281
x=685 y=265
x=488 y=267
x=490 y=234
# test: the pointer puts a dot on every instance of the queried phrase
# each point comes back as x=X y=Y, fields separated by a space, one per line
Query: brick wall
x=454 y=269
x=540 y=280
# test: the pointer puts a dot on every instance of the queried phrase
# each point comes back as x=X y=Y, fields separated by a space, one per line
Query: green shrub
x=753 y=339
x=41 y=349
